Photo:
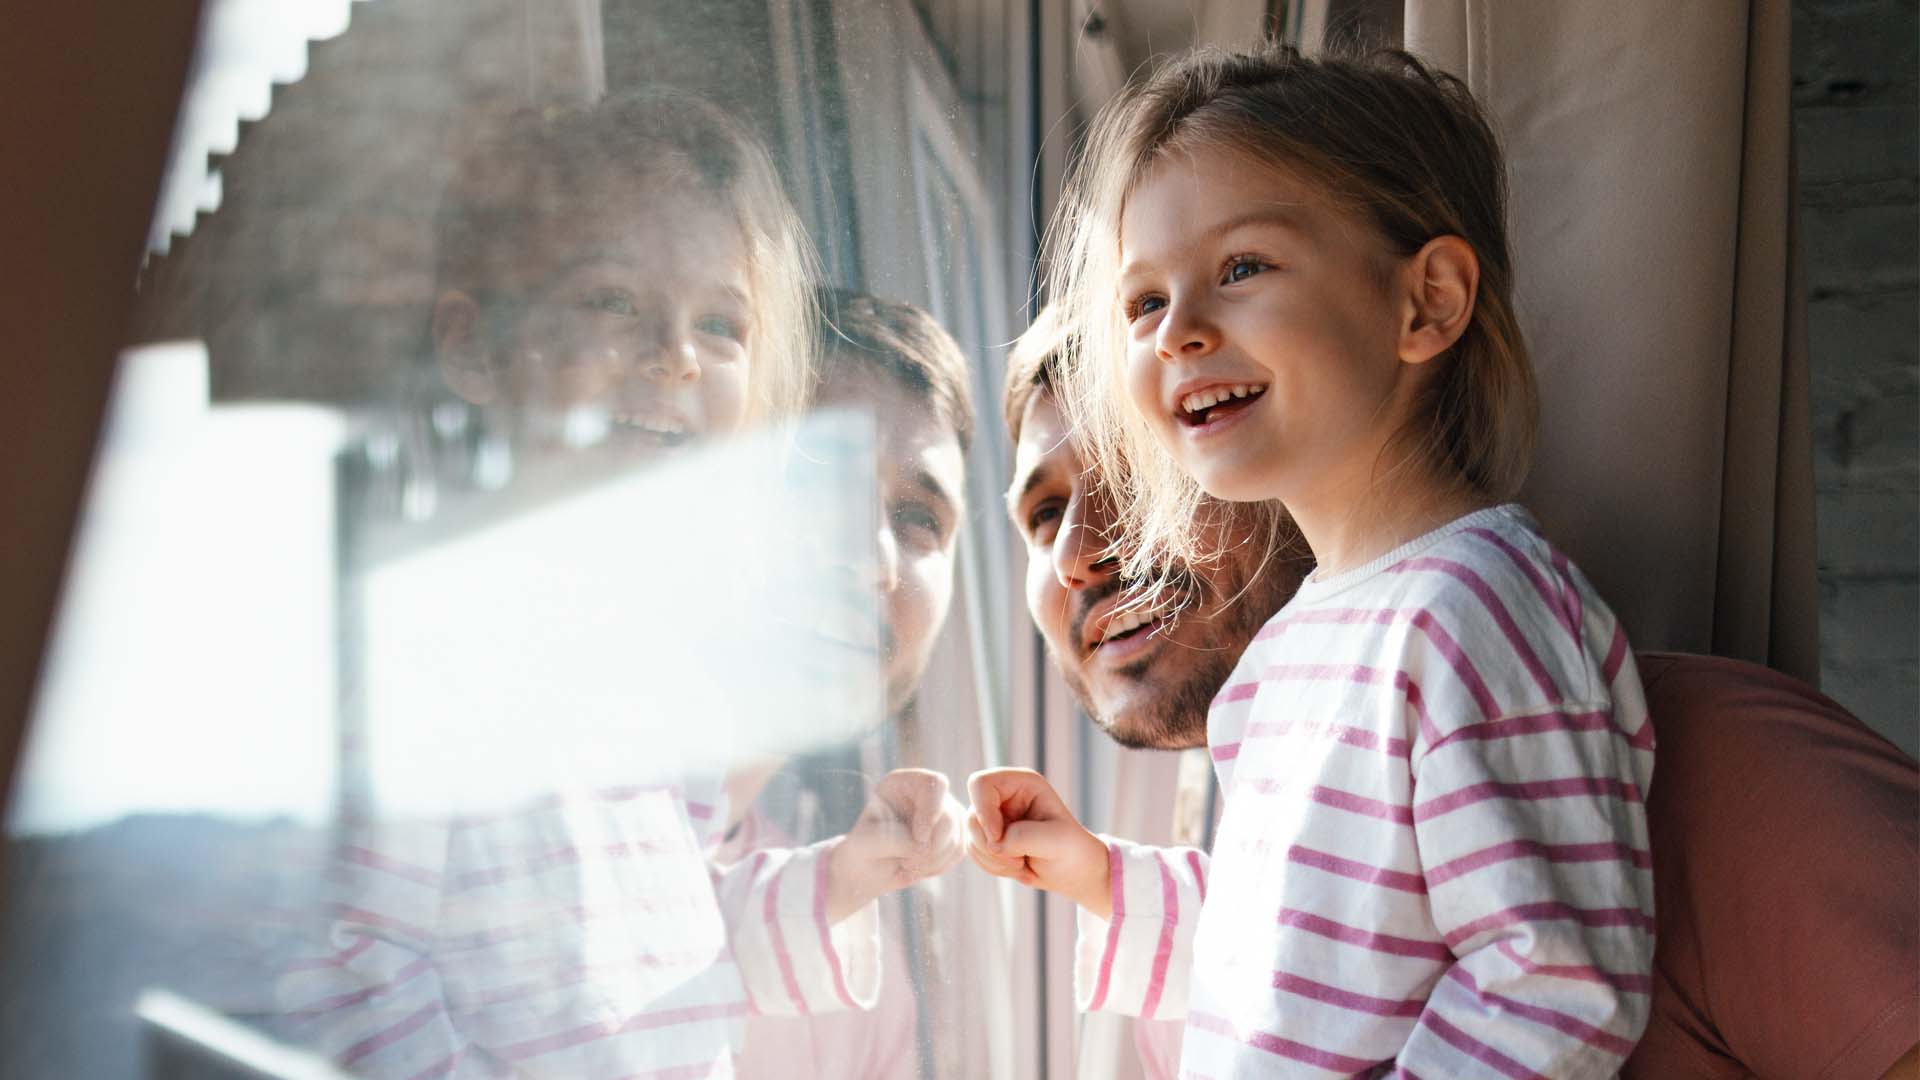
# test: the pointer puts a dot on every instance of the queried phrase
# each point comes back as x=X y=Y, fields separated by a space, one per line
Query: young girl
x=1294 y=284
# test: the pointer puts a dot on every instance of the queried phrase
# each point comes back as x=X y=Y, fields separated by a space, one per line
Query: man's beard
x=1176 y=718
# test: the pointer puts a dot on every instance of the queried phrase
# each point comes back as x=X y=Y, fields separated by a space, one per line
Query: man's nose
x=1080 y=554
x=1185 y=332
x=886 y=554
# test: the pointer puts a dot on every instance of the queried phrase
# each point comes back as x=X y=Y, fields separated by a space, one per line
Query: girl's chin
x=1231 y=481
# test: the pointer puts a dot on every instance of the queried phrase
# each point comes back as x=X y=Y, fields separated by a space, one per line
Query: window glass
x=543 y=586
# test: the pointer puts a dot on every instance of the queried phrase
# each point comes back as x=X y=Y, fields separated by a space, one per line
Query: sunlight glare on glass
x=192 y=666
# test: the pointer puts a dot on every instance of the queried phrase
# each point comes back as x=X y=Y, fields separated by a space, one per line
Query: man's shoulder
x=1786 y=867
x=1740 y=742
x=1751 y=764
x=1734 y=715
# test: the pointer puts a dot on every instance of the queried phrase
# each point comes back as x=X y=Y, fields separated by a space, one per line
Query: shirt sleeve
x=793 y=961
x=1533 y=841
x=1136 y=963
x=368 y=996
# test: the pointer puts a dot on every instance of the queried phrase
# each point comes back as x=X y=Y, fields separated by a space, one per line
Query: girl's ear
x=457 y=345
x=1442 y=279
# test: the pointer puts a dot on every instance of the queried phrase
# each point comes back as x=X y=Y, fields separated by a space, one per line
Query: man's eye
x=1043 y=519
x=1242 y=267
x=722 y=326
x=919 y=521
x=611 y=303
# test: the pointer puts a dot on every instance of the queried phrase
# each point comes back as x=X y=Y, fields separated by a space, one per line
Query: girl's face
x=1261 y=329
x=636 y=307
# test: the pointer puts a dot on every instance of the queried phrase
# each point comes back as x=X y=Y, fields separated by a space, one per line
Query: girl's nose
x=670 y=357
x=1185 y=332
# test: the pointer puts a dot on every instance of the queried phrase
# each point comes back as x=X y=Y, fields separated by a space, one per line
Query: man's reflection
x=893 y=361
x=633 y=263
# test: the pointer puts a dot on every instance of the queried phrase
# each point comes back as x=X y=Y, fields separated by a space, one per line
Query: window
x=470 y=644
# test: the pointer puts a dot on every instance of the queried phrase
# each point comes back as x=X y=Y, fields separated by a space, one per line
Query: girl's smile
x=1215 y=405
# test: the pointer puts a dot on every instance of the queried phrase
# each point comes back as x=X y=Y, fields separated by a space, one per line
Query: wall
x=1856 y=132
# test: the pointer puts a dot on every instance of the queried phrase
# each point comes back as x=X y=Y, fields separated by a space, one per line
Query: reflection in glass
x=509 y=632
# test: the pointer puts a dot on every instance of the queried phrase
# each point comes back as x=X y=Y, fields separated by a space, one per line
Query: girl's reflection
x=637 y=260
x=634 y=263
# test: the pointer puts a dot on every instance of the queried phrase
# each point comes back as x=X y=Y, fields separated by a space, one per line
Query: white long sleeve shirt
x=1433 y=855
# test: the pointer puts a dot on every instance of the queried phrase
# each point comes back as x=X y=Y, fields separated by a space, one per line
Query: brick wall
x=1858 y=148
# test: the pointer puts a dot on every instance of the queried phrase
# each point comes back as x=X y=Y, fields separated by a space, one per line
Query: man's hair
x=863 y=333
x=523 y=169
x=1402 y=147
x=1033 y=364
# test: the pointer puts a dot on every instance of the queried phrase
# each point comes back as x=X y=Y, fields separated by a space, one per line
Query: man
x=1786 y=854
x=895 y=360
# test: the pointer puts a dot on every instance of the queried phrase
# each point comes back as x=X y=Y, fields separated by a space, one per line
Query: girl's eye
x=722 y=326
x=611 y=303
x=1141 y=306
x=1242 y=267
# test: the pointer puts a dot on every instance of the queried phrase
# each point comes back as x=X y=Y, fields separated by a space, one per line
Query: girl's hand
x=1021 y=829
x=910 y=830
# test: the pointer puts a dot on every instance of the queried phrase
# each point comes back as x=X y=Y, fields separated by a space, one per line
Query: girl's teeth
x=1207 y=399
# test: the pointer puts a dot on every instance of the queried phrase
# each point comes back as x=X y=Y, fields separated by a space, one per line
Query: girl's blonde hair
x=1397 y=144
x=535 y=163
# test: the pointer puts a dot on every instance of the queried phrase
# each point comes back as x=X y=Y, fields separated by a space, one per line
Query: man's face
x=1147 y=685
x=921 y=474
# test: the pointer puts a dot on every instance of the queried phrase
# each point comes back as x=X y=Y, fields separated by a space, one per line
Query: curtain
x=1652 y=217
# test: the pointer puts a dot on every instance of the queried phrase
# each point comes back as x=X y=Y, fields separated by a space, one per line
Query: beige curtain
x=1653 y=229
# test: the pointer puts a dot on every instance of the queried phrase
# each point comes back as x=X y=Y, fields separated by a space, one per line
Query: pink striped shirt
x=850 y=1044
x=1433 y=855
x=585 y=936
